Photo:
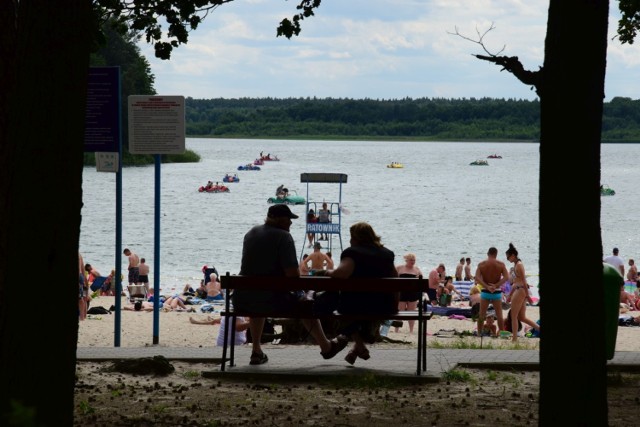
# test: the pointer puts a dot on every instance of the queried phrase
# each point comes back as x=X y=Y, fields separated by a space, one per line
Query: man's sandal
x=258 y=359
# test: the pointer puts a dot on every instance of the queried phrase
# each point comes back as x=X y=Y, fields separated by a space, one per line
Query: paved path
x=300 y=360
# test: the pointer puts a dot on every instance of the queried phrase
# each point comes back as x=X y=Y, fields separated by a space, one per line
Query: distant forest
x=440 y=119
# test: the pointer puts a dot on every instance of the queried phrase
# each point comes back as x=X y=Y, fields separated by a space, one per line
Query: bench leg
x=420 y=338
x=225 y=343
x=424 y=346
x=232 y=337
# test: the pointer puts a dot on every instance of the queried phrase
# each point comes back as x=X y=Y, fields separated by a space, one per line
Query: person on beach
x=489 y=328
x=459 y=270
x=319 y=259
x=409 y=300
x=174 y=302
x=436 y=277
x=467 y=270
x=628 y=301
x=242 y=324
x=133 y=267
x=143 y=274
x=139 y=306
x=491 y=274
x=324 y=216
x=311 y=218
x=83 y=289
x=632 y=274
x=108 y=287
x=214 y=292
x=519 y=293
x=304 y=267
x=615 y=260
x=366 y=257
x=92 y=273
x=269 y=250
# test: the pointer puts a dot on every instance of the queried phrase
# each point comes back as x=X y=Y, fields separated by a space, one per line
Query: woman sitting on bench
x=366 y=257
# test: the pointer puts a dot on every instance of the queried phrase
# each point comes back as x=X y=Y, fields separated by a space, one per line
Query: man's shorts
x=143 y=278
x=134 y=275
x=491 y=296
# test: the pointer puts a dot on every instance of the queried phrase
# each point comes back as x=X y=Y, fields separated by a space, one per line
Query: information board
x=156 y=124
x=102 y=114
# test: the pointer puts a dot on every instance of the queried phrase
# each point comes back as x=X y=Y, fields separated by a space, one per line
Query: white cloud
x=370 y=48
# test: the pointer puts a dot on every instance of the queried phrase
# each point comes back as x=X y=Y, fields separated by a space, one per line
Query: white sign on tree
x=156 y=124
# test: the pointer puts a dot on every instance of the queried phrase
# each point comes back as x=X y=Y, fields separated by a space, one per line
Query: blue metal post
x=118 y=281
x=156 y=256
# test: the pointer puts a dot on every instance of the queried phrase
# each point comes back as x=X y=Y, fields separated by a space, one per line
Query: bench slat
x=319 y=283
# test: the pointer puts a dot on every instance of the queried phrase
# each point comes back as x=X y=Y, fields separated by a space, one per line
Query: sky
x=372 y=49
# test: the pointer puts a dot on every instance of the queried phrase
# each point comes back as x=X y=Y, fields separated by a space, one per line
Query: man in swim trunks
x=491 y=274
x=134 y=266
x=143 y=274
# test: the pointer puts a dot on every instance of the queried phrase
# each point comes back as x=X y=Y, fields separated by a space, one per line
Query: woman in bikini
x=519 y=293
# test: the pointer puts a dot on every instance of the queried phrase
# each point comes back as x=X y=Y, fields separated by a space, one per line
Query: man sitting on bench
x=269 y=250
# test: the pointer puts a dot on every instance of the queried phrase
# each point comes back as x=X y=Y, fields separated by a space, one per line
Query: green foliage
x=182 y=16
x=290 y=27
x=425 y=119
x=191 y=374
x=86 y=408
x=458 y=375
x=629 y=20
x=128 y=159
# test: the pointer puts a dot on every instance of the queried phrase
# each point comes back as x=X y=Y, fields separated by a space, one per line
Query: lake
x=437 y=206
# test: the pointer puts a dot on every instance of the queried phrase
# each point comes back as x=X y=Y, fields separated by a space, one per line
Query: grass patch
x=191 y=374
x=503 y=377
x=85 y=408
x=458 y=375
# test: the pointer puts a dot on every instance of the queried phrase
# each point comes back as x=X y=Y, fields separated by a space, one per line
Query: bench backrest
x=319 y=283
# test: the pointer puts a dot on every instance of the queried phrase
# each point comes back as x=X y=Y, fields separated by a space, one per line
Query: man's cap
x=278 y=211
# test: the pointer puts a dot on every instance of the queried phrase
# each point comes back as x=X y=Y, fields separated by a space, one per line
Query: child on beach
x=489 y=328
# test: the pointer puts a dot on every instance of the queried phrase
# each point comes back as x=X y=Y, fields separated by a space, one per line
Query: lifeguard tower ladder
x=331 y=228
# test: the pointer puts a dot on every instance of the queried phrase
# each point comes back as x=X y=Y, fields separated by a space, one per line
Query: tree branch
x=513 y=65
x=510 y=63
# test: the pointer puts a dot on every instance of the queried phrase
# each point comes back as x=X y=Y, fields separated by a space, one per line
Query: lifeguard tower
x=332 y=228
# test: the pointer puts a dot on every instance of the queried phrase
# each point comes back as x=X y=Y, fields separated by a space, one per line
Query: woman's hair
x=409 y=256
x=363 y=233
x=512 y=250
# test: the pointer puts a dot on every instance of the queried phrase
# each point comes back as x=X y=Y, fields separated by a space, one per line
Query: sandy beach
x=175 y=330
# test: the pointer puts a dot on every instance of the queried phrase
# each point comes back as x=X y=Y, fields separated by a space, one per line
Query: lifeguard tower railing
x=332 y=228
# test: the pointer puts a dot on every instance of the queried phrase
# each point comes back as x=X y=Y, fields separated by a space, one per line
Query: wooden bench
x=232 y=282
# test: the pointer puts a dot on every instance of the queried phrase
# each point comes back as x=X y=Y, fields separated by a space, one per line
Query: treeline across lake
x=485 y=119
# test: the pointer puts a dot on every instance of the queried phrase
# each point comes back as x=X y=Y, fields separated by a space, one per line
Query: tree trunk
x=45 y=61
x=572 y=355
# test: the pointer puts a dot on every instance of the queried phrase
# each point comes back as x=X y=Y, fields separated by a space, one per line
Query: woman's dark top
x=409 y=296
x=369 y=261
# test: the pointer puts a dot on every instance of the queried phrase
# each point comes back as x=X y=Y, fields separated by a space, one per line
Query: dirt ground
x=183 y=397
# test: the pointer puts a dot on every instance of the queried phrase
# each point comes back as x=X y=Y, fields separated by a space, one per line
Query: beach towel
x=463 y=286
x=98 y=282
x=448 y=311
